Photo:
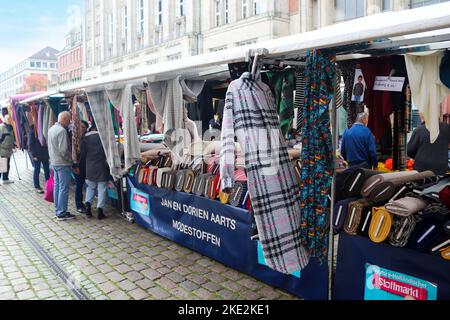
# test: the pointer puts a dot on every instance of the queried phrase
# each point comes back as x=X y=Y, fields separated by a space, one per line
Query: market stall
x=178 y=200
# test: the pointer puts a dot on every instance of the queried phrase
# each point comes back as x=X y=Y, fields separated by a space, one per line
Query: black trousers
x=5 y=175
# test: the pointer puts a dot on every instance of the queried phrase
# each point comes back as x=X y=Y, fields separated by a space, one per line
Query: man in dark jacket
x=97 y=170
x=40 y=157
x=427 y=156
x=80 y=175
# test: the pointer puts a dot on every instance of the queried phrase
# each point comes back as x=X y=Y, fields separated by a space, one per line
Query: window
x=38 y=65
x=218 y=13
x=125 y=21
x=159 y=12
x=174 y=56
x=32 y=64
x=180 y=8
x=349 y=9
x=422 y=3
x=256 y=9
x=110 y=28
x=244 y=9
x=141 y=16
x=44 y=65
x=218 y=49
x=387 y=5
x=227 y=11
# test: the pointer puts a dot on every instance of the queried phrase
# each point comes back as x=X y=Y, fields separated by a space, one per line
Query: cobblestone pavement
x=109 y=259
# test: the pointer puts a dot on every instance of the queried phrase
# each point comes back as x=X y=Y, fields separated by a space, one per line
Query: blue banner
x=223 y=233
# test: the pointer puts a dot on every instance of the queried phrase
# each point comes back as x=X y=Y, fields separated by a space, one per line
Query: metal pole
x=124 y=214
x=15 y=163
x=335 y=136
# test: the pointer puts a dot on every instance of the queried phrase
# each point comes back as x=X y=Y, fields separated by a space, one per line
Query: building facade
x=123 y=35
x=70 y=59
x=38 y=72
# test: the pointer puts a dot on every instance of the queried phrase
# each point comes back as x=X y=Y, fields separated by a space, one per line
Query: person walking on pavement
x=39 y=155
x=80 y=175
x=358 y=144
x=7 y=145
x=97 y=170
x=61 y=162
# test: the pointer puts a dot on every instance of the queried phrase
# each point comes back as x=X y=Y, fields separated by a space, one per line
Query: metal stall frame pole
x=333 y=197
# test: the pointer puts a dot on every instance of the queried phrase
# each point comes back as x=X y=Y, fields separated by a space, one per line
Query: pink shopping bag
x=48 y=196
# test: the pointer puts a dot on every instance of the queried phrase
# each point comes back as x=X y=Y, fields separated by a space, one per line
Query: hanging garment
x=353 y=108
x=83 y=111
x=283 y=86
x=99 y=105
x=34 y=118
x=76 y=131
x=250 y=115
x=40 y=127
x=427 y=89
x=123 y=101
x=299 y=103
x=159 y=121
x=317 y=153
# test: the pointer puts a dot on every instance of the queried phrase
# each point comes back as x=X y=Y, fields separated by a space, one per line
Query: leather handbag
x=354 y=214
x=401 y=230
x=224 y=197
x=381 y=225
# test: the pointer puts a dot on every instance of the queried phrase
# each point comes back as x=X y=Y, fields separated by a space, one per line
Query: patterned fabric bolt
x=76 y=132
x=250 y=115
x=317 y=153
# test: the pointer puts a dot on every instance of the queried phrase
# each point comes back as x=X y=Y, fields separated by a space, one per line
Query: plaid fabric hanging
x=317 y=154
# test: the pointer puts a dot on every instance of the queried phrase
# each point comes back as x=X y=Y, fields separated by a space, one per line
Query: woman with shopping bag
x=7 y=145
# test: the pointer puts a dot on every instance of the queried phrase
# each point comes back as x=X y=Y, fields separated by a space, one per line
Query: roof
x=47 y=53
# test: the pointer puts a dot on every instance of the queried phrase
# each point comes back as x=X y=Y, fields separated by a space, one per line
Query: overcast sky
x=27 y=26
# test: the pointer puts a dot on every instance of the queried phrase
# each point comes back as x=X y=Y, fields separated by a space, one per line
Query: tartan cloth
x=317 y=153
x=283 y=85
x=122 y=100
x=299 y=102
x=76 y=131
x=99 y=105
x=250 y=115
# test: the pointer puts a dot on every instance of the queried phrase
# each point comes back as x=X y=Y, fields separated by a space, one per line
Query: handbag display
x=402 y=229
x=381 y=225
x=354 y=215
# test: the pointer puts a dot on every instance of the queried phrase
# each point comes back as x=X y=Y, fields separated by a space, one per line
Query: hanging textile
x=347 y=69
x=317 y=153
x=300 y=96
x=282 y=84
x=138 y=117
x=426 y=87
x=34 y=117
x=58 y=105
x=84 y=115
x=251 y=116
x=122 y=100
x=99 y=105
x=159 y=121
x=114 y=120
x=76 y=131
x=167 y=97
x=40 y=126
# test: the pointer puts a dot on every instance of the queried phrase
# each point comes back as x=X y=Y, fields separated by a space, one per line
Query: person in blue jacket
x=358 y=144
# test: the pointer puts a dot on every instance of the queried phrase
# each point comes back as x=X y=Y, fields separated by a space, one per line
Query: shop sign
x=140 y=202
x=384 y=284
x=394 y=84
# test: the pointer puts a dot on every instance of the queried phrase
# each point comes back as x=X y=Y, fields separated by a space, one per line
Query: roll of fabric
x=381 y=225
x=214 y=187
x=200 y=183
x=447 y=227
x=224 y=197
x=406 y=207
x=160 y=174
x=444 y=196
x=209 y=183
x=366 y=218
x=377 y=179
x=441 y=246
x=354 y=182
x=168 y=180
x=239 y=192
x=383 y=192
x=402 y=229
x=436 y=208
x=428 y=233
x=354 y=215
x=179 y=180
x=340 y=213
x=445 y=254
x=188 y=180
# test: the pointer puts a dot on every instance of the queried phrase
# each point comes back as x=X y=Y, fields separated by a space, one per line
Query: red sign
x=399 y=288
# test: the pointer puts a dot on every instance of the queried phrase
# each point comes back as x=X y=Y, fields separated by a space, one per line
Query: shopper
x=80 y=174
x=7 y=145
x=40 y=157
x=358 y=144
x=61 y=162
x=97 y=170
x=426 y=155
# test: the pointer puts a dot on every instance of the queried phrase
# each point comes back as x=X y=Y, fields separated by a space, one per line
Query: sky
x=27 y=26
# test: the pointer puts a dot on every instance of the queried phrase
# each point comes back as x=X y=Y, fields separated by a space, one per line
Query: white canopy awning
x=42 y=96
x=388 y=25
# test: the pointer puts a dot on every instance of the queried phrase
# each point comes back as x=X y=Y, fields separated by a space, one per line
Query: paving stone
x=181 y=293
x=249 y=295
x=126 y=285
x=89 y=271
x=197 y=278
x=227 y=294
x=250 y=283
x=115 y=276
x=182 y=271
x=145 y=284
x=114 y=262
x=169 y=263
x=98 y=278
x=215 y=277
x=21 y=287
x=7 y=296
x=45 y=294
x=158 y=293
x=118 y=295
x=104 y=268
x=107 y=287
x=176 y=277
x=134 y=276
x=166 y=283
x=269 y=293
x=25 y=295
x=189 y=285
x=212 y=286
x=138 y=266
x=14 y=275
x=123 y=268
x=138 y=294
x=233 y=275
x=151 y=274
x=203 y=294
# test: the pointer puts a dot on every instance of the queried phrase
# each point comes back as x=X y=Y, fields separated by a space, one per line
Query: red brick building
x=70 y=59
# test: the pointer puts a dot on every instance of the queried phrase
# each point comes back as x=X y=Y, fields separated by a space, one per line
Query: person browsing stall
x=7 y=145
x=358 y=144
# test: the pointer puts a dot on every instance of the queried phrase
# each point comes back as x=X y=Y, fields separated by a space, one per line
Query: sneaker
x=8 y=182
x=82 y=210
x=39 y=191
x=65 y=216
